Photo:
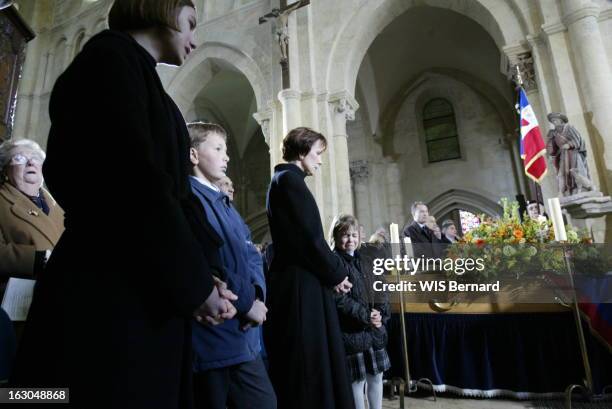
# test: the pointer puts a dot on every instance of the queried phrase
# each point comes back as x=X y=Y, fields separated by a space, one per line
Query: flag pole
x=539 y=197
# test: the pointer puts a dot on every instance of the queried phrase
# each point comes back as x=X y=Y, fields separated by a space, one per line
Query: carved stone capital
x=359 y=170
x=344 y=107
x=591 y=10
x=343 y=103
x=263 y=118
x=526 y=69
x=289 y=93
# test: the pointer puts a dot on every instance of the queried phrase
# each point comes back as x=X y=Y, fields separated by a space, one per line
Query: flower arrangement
x=512 y=247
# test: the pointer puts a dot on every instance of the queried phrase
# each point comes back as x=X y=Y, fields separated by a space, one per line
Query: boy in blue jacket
x=228 y=369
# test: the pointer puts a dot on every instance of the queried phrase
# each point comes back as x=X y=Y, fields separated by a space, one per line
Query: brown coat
x=25 y=229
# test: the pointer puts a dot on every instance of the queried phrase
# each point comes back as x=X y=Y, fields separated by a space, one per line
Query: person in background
x=535 y=210
x=228 y=368
x=449 y=232
x=226 y=185
x=432 y=224
x=31 y=223
x=303 y=338
x=362 y=317
x=110 y=316
x=425 y=241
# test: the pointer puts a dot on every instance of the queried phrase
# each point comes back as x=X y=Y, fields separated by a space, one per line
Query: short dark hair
x=299 y=141
x=447 y=223
x=199 y=131
x=140 y=14
x=342 y=224
x=415 y=205
x=534 y=201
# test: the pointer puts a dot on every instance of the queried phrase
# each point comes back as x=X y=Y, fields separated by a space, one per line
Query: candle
x=393 y=229
x=556 y=216
x=408 y=246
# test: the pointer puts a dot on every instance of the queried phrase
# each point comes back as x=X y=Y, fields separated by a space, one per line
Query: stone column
x=594 y=75
x=343 y=108
x=290 y=100
x=360 y=173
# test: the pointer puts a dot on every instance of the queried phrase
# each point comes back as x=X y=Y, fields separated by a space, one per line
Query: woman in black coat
x=304 y=343
x=110 y=317
x=362 y=317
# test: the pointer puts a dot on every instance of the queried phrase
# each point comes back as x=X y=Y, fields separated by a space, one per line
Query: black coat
x=355 y=307
x=424 y=241
x=304 y=343
x=110 y=315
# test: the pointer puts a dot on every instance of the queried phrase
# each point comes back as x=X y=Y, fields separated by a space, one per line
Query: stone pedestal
x=588 y=210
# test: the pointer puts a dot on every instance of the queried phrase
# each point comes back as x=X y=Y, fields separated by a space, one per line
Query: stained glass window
x=469 y=221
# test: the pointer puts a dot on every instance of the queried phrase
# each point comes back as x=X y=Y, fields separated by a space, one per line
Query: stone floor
x=451 y=402
x=455 y=403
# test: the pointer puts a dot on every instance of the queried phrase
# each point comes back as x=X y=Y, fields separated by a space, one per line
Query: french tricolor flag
x=533 y=148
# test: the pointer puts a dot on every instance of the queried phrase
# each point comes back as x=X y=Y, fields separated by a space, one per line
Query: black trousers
x=242 y=386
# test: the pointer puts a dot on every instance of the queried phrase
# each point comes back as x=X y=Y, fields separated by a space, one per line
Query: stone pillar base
x=589 y=210
x=587 y=205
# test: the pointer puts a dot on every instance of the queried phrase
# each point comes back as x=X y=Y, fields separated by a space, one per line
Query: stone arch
x=188 y=81
x=499 y=19
x=463 y=199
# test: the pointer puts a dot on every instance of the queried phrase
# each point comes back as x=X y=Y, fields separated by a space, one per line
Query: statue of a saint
x=568 y=151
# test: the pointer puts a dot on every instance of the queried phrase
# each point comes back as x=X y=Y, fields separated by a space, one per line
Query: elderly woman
x=31 y=222
x=30 y=226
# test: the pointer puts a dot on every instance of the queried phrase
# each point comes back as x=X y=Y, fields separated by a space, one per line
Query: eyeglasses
x=20 y=159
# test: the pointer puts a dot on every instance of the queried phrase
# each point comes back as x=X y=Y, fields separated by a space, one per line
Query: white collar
x=206 y=183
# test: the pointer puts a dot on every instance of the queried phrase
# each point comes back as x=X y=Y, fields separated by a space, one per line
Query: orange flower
x=480 y=242
x=518 y=233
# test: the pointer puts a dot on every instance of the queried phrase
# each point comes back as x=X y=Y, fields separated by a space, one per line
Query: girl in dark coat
x=110 y=317
x=304 y=343
x=362 y=317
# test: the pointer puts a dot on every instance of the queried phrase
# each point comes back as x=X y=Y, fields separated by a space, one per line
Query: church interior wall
x=482 y=169
x=397 y=76
x=331 y=53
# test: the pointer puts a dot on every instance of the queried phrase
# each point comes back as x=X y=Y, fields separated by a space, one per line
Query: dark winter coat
x=110 y=318
x=424 y=241
x=304 y=343
x=227 y=344
x=355 y=307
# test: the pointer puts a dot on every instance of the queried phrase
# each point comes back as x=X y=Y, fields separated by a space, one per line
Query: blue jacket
x=226 y=344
